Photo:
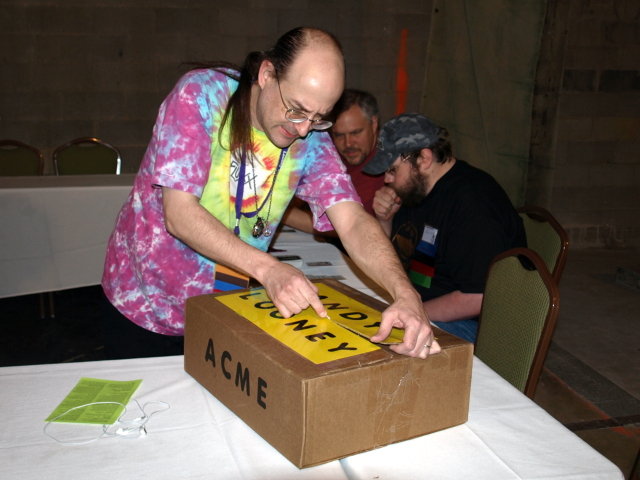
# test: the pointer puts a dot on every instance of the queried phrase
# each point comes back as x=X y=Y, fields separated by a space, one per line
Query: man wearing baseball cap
x=446 y=219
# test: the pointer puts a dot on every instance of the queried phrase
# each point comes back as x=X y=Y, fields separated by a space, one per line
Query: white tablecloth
x=55 y=230
x=507 y=436
x=503 y=423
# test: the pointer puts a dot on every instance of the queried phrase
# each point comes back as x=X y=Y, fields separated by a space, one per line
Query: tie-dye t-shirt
x=148 y=273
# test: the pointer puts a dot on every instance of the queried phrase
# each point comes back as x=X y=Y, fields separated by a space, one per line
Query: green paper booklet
x=90 y=390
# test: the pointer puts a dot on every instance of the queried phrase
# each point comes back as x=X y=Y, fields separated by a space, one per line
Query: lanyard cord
x=240 y=190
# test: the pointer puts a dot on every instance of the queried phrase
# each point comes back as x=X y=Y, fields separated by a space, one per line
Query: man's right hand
x=386 y=203
x=290 y=290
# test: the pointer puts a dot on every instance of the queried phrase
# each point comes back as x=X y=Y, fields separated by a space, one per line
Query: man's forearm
x=288 y=288
x=188 y=221
x=453 y=306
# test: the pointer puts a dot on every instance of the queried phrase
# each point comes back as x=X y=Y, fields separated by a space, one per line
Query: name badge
x=429 y=234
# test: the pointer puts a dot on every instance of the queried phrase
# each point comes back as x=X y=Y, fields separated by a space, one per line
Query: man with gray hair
x=354 y=134
x=446 y=219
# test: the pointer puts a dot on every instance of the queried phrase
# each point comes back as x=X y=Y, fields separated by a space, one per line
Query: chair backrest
x=18 y=158
x=518 y=317
x=86 y=156
x=546 y=237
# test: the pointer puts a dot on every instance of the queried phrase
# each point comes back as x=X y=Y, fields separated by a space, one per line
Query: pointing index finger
x=317 y=305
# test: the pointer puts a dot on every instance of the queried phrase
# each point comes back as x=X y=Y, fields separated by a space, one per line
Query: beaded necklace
x=261 y=227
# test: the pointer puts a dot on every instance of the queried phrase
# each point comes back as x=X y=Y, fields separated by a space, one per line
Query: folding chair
x=86 y=156
x=518 y=317
x=546 y=237
x=19 y=159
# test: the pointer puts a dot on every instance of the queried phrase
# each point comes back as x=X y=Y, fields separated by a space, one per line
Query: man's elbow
x=171 y=224
x=173 y=211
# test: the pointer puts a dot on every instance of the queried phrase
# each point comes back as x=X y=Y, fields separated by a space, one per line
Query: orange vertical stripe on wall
x=402 y=80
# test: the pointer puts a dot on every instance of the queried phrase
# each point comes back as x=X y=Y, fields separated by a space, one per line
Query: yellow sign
x=318 y=339
x=354 y=315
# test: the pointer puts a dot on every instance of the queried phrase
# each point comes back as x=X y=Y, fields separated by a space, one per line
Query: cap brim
x=380 y=163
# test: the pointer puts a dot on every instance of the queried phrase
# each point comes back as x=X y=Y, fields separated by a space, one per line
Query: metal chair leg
x=52 y=310
x=43 y=312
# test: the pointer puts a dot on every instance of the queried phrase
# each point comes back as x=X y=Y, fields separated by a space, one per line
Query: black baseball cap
x=402 y=134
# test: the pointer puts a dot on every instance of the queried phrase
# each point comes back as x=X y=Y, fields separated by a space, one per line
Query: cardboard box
x=316 y=412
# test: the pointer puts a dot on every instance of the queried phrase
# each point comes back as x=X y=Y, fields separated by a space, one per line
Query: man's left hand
x=408 y=314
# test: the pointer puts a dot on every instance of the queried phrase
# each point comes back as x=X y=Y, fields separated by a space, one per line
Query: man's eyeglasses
x=298 y=116
x=394 y=168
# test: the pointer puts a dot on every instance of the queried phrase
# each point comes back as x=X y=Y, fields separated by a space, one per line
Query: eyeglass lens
x=297 y=116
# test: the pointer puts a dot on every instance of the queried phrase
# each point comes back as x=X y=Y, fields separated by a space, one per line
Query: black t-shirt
x=448 y=241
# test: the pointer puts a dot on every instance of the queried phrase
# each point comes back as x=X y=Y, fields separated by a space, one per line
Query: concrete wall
x=481 y=86
x=101 y=67
x=595 y=186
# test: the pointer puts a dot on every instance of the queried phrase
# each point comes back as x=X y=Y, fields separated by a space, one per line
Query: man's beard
x=414 y=191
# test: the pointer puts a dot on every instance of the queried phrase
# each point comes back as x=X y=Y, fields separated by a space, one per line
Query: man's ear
x=267 y=71
x=375 y=123
x=426 y=159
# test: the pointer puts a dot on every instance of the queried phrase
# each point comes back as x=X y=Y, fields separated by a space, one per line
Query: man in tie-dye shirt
x=229 y=150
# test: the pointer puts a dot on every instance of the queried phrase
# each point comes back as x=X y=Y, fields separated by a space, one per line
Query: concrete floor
x=591 y=381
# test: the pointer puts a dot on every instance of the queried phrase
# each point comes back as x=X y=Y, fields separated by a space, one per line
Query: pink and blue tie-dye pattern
x=148 y=273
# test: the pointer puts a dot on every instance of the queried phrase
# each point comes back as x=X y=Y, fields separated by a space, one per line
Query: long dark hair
x=281 y=55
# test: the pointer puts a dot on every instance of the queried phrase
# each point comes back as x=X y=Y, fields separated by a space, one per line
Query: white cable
x=120 y=428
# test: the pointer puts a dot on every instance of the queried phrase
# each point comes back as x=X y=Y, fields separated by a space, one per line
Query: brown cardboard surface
x=316 y=413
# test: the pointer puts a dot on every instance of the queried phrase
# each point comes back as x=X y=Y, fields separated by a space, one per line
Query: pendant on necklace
x=258 y=228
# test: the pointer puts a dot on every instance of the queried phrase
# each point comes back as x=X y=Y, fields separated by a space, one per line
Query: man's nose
x=303 y=128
